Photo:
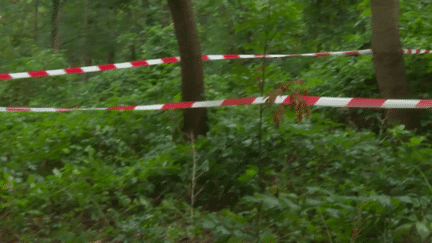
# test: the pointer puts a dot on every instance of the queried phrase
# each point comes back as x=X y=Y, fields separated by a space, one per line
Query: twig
x=325 y=224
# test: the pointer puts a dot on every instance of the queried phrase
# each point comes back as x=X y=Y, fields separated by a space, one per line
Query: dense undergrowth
x=126 y=176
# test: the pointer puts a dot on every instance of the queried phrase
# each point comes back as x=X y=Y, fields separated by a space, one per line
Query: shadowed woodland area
x=247 y=173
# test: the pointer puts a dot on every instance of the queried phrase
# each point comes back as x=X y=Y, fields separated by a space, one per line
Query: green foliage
x=125 y=176
x=36 y=92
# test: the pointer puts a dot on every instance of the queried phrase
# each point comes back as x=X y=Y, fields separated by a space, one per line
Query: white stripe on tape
x=334 y=102
x=400 y=103
x=210 y=103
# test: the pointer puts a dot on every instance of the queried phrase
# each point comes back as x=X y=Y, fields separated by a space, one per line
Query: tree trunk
x=114 y=32
x=195 y=119
x=55 y=23
x=388 y=60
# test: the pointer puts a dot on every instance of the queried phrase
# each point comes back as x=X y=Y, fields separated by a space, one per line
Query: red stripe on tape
x=352 y=53
x=241 y=101
x=310 y=100
x=205 y=58
x=5 y=76
x=18 y=109
x=424 y=103
x=177 y=105
x=231 y=56
x=40 y=73
x=169 y=59
x=107 y=67
x=322 y=54
x=360 y=102
x=73 y=70
x=139 y=63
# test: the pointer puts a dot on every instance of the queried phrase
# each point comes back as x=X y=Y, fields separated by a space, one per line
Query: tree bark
x=195 y=119
x=55 y=23
x=388 y=60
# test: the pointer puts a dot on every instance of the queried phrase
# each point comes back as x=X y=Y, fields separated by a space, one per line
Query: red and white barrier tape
x=310 y=100
x=105 y=67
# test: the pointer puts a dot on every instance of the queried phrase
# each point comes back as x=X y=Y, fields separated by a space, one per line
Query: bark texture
x=388 y=60
x=195 y=120
x=56 y=22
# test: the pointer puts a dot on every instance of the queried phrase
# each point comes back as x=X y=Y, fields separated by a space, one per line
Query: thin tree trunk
x=55 y=23
x=195 y=120
x=55 y=9
x=388 y=60
x=114 y=33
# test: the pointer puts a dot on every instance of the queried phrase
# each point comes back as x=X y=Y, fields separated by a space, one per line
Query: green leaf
x=208 y=224
x=250 y=172
x=270 y=202
x=403 y=229
x=367 y=12
x=363 y=3
x=222 y=230
x=384 y=200
x=415 y=140
x=404 y=199
x=177 y=97
x=423 y=230
x=313 y=202
x=30 y=179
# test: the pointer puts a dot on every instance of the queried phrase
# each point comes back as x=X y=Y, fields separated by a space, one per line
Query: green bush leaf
x=423 y=230
x=208 y=224
x=270 y=202
x=177 y=97
x=415 y=140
